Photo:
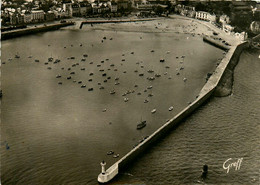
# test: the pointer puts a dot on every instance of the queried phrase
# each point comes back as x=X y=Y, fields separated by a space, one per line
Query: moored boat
x=141 y=125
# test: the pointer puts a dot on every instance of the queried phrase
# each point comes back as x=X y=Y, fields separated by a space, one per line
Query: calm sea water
x=58 y=134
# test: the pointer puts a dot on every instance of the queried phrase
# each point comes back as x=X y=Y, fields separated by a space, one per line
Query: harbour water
x=58 y=134
x=223 y=128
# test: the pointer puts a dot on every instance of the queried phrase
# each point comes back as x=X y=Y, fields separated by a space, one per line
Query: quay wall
x=112 y=21
x=215 y=43
x=225 y=85
x=26 y=31
x=214 y=82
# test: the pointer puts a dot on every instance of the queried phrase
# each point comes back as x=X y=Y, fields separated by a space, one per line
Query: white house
x=205 y=16
x=37 y=15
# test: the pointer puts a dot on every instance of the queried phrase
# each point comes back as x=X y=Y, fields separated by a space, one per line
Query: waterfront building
x=75 y=9
x=67 y=7
x=83 y=8
x=27 y=17
x=144 y=6
x=206 y=16
x=122 y=5
x=112 y=6
x=49 y=16
x=224 y=19
x=37 y=15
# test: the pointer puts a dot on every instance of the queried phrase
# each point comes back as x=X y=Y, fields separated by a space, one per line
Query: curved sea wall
x=218 y=81
x=27 y=31
x=225 y=85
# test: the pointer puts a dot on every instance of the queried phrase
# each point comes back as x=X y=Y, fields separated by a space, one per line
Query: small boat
x=150 y=87
x=104 y=110
x=171 y=108
x=150 y=71
x=124 y=94
x=153 y=111
x=110 y=152
x=162 y=60
x=116 y=155
x=141 y=125
x=126 y=99
x=112 y=92
x=150 y=95
x=151 y=78
x=83 y=86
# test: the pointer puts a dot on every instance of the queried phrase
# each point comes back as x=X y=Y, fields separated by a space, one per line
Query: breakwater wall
x=215 y=43
x=215 y=80
x=112 y=21
x=225 y=85
x=27 y=31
